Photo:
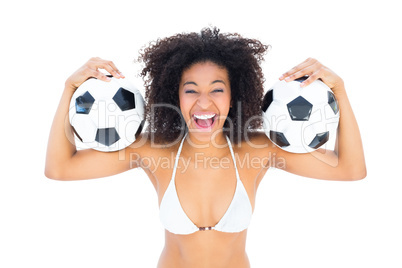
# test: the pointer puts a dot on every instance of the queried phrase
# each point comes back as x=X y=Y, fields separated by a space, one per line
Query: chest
x=206 y=186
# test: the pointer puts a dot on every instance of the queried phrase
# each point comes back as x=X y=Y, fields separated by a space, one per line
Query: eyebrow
x=194 y=83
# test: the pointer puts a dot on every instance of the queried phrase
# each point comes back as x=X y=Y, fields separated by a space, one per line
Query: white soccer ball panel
x=329 y=113
x=277 y=117
x=316 y=93
x=139 y=104
x=285 y=92
x=128 y=126
x=82 y=121
x=293 y=132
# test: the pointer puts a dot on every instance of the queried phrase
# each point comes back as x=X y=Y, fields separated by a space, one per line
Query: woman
x=204 y=94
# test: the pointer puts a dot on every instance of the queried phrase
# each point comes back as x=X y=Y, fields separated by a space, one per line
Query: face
x=205 y=98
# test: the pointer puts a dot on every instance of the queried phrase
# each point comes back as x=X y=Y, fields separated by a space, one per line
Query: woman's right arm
x=63 y=161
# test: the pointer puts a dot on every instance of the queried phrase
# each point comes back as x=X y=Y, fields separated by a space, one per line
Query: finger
x=98 y=75
x=109 y=66
x=314 y=76
x=308 y=70
x=305 y=64
x=294 y=70
x=116 y=69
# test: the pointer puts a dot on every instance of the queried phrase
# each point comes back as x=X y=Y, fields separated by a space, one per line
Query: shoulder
x=256 y=144
x=255 y=141
x=145 y=147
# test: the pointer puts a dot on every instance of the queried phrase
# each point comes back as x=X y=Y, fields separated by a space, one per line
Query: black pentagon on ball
x=107 y=136
x=266 y=102
x=124 y=99
x=319 y=140
x=83 y=103
x=299 y=109
x=332 y=102
x=278 y=138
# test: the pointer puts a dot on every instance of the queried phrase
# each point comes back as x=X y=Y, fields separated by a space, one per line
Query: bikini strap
x=233 y=156
x=177 y=157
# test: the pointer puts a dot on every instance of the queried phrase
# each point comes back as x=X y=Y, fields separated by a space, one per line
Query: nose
x=204 y=101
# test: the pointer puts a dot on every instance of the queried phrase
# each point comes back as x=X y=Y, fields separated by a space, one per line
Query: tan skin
x=205 y=177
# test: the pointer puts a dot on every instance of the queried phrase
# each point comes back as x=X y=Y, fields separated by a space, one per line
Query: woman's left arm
x=346 y=162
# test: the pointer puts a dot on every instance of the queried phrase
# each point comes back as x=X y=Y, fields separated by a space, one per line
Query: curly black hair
x=166 y=59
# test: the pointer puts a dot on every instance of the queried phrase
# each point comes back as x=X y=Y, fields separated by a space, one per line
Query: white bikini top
x=237 y=217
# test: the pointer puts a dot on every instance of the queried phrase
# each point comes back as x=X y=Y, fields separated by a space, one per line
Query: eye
x=218 y=90
x=189 y=91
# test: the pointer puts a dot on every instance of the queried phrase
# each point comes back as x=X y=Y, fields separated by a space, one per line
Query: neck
x=212 y=146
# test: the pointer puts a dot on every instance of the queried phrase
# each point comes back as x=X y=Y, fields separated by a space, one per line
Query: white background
x=113 y=222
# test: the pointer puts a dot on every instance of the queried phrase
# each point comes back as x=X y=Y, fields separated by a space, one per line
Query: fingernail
x=280 y=78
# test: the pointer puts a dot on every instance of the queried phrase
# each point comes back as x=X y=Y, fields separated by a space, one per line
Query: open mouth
x=204 y=121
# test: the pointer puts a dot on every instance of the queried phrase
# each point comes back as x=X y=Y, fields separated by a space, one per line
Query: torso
x=205 y=188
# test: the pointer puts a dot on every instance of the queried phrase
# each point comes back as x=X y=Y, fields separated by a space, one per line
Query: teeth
x=204 y=116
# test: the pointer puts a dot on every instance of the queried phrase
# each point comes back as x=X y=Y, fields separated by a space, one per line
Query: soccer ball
x=300 y=120
x=106 y=116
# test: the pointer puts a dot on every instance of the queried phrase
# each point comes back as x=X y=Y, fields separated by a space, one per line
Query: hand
x=91 y=69
x=315 y=70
